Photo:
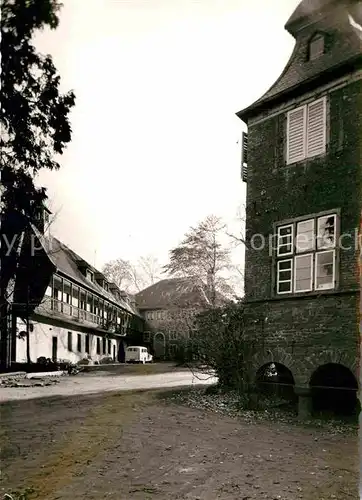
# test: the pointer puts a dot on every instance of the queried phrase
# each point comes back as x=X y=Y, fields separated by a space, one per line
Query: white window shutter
x=316 y=128
x=296 y=134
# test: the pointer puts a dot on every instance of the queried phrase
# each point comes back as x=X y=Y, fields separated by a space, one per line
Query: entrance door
x=55 y=349
x=159 y=345
x=114 y=353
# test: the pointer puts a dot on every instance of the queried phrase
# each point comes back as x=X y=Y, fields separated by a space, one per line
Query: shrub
x=221 y=344
x=84 y=361
x=106 y=361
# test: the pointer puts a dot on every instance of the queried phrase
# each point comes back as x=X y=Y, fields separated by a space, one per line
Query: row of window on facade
x=156 y=315
x=103 y=345
x=306 y=255
x=171 y=314
x=101 y=282
x=75 y=299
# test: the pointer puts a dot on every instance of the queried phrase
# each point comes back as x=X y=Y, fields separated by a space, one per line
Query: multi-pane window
x=306 y=255
x=306 y=131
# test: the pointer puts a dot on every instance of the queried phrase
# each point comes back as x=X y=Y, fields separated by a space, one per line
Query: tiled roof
x=346 y=48
x=67 y=261
x=308 y=8
x=169 y=293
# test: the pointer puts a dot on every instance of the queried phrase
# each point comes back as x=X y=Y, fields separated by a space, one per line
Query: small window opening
x=316 y=47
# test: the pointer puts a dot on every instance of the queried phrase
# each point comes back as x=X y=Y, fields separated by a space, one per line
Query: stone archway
x=311 y=363
x=275 y=383
x=334 y=390
x=159 y=345
x=277 y=356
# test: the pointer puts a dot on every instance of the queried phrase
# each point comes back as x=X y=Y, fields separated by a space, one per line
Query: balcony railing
x=76 y=312
x=80 y=314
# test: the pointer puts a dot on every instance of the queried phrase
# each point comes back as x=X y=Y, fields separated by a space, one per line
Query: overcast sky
x=157 y=84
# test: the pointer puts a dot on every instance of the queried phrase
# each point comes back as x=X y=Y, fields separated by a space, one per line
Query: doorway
x=55 y=349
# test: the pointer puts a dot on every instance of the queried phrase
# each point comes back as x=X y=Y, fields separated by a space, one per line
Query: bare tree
x=133 y=277
x=119 y=271
x=150 y=269
x=237 y=232
x=137 y=280
x=202 y=257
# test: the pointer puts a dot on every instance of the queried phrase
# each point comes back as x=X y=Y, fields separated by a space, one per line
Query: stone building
x=303 y=172
x=169 y=307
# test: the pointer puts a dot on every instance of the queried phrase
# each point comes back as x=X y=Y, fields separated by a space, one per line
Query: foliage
x=47 y=364
x=130 y=277
x=221 y=344
x=201 y=256
x=184 y=353
x=118 y=271
x=84 y=361
x=106 y=361
x=35 y=128
x=34 y=114
x=19 y=495
x=230 y=403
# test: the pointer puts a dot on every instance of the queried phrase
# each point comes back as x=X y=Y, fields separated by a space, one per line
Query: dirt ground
x=137 y=446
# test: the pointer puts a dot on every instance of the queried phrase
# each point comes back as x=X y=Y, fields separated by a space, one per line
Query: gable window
x=310 y=248
x=316 y=46
x=306 y=131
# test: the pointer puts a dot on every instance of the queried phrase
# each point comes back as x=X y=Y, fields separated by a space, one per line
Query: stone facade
x=305 y=330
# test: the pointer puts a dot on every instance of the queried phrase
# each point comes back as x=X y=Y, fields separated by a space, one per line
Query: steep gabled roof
x=344 y=54
x=308 y=9
x=67 y=262
x=180 y=292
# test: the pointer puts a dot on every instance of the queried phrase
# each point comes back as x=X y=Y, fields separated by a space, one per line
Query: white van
x=138 y=354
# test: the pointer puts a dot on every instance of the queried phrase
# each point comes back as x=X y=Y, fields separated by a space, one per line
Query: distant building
x=168 y=308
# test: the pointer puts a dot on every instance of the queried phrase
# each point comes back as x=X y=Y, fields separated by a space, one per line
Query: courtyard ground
x=140 y=445
x=100 y=382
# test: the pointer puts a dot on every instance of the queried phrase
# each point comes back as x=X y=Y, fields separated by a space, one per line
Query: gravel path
x=91 y=384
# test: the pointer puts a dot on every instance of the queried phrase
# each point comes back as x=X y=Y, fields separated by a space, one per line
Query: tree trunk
x=28 y=346
x=5 y=352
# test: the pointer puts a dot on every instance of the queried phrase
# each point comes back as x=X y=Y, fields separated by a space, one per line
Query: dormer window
x=89 y=275
x=316 y=46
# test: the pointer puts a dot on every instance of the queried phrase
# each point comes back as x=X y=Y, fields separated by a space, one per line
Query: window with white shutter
x=316 y=128
x=296 y=134
x=306 y=131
